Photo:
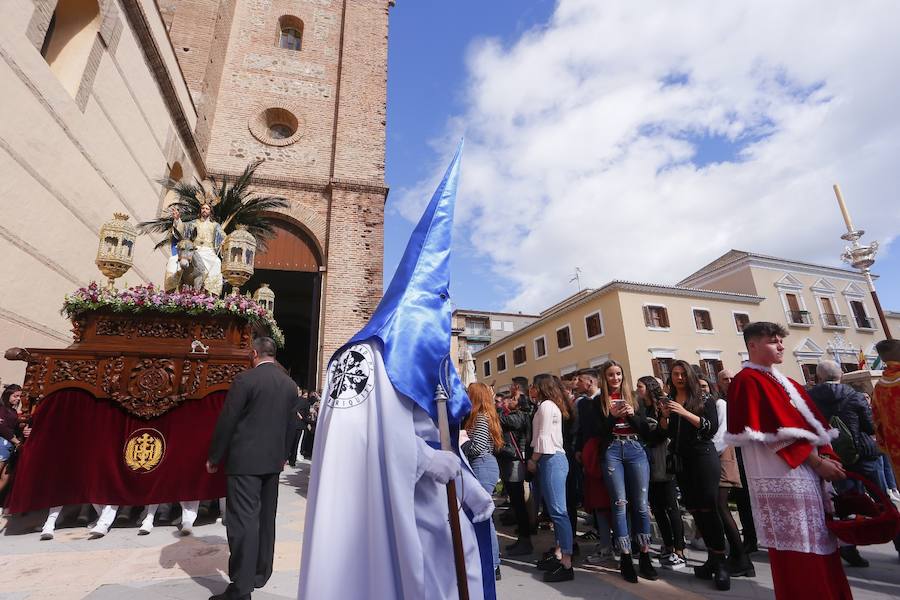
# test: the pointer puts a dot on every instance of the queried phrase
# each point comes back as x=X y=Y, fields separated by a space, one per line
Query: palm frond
x=236 y=206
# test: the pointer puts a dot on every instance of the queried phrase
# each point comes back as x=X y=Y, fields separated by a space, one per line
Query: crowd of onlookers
x=589 y=443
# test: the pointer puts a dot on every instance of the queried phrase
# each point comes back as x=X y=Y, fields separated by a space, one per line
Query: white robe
x=376 y=525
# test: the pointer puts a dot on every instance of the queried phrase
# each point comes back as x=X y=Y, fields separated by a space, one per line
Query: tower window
x=290 y=32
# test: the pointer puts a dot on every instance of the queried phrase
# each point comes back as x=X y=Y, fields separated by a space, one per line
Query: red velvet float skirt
x=805 y=576
x=83 y=449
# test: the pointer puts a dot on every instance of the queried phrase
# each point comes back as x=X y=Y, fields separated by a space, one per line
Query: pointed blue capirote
x=413 y=318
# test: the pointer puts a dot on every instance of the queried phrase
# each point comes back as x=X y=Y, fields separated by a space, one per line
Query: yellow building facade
x=828 y=312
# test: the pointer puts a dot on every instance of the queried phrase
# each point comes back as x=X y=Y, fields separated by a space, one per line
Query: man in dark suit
x=254 y=431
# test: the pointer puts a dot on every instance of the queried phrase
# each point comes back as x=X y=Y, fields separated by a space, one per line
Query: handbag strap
x=512 y=439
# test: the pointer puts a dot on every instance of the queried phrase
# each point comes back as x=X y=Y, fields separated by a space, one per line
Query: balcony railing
x=865 y=322
x=833 y=320
x=481 y=332
x=799 y=317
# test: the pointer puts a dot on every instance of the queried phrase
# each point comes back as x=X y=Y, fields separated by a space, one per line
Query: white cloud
x=581 y=136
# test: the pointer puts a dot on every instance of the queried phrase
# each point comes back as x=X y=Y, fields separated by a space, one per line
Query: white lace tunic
x=788 y=504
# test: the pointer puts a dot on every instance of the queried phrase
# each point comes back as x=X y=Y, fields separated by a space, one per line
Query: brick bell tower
x=301 y=84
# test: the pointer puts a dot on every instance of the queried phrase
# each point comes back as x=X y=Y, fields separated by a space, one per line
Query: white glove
x=479 y=501
x=443 y=466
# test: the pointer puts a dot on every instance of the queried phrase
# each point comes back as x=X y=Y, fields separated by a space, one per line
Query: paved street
x=163 y=565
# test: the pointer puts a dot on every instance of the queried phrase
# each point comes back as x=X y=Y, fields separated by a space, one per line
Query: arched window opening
x=69 y=39
x=290 y=33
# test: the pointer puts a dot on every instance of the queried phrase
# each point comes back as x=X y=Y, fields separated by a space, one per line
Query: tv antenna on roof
x=577 y=278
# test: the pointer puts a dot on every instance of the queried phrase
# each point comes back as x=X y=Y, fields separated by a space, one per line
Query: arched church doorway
x=290 y=265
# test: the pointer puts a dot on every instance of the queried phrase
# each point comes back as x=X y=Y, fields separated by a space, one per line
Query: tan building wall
x=760 y=284
x=72 y=154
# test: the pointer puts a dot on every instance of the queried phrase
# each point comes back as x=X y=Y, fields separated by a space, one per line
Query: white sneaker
x=672 y=561
x=46 y=534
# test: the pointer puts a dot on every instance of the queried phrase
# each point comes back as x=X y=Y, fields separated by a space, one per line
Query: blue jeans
x=552 y=471
x=889 y=478
x=627 y=474
x=487 y=472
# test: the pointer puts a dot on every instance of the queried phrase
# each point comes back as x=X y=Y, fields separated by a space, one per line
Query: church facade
x=110 y=96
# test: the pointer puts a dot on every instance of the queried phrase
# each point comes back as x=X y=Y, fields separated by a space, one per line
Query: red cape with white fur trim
x=762 y=409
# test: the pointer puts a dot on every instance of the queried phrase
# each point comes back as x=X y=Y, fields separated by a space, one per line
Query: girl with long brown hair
x=623 y=436
x=548 y=460
x=690 y=419
x=485 y=438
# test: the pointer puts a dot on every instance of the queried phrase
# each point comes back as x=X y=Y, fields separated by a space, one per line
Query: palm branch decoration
x=236 y=206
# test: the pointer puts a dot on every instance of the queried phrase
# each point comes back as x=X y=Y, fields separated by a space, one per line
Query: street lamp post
x=861 y=257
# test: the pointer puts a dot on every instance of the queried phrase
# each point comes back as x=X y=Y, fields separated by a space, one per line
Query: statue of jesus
x=207 y=236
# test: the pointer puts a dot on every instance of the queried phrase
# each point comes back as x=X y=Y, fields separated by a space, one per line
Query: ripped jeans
x=626 y=470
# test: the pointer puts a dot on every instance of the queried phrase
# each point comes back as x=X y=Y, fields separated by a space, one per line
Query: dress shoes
x=852 y=556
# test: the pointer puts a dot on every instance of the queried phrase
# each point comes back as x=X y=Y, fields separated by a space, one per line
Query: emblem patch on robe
x=144 y=450
x=351 y=378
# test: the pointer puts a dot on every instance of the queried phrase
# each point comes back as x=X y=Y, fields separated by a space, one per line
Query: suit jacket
x=256 y=426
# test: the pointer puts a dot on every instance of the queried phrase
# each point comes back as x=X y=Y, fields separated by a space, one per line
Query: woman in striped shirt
x=485 y=437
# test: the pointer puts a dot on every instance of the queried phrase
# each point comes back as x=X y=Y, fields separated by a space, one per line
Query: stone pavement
x=164 y=565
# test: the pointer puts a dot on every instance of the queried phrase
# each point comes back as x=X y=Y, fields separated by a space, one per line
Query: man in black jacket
x=835 y=399
x=254 y=432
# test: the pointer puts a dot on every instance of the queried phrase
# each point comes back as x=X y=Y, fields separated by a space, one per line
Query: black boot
x=741 y=566
x=705 y=571
x=645 y=567
x=626 y=568
x=721 y=577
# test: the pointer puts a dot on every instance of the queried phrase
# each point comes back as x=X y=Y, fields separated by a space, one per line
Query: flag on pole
x=376 y=516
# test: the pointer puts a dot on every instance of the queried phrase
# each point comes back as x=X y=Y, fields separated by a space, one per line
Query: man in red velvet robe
x=788 y=460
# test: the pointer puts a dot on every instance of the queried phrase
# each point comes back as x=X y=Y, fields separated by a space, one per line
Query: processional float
x=124 y=414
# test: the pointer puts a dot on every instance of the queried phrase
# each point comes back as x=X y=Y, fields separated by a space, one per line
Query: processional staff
x=459 y=558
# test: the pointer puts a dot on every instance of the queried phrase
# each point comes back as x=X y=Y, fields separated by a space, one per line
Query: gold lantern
x=238 y=254
x=115 y=254
x=265 y=297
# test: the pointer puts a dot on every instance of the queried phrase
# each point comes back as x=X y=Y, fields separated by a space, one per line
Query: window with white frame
x=540 y=347
x=789 y=288
x=501 y=362
x=702 y=319
x=829 y=314
x=656 y=316
x=497 y=325
x=741 y=320
x=564 y=337
x=568 y=369
x=593 y=325
x=508 y=326
x=519 y=356
x=861 y=315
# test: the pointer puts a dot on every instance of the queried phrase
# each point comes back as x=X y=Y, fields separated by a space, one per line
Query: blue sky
x=453 y=66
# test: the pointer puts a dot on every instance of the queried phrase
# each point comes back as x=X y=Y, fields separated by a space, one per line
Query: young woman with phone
x=689 y=417
x=623 y=432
